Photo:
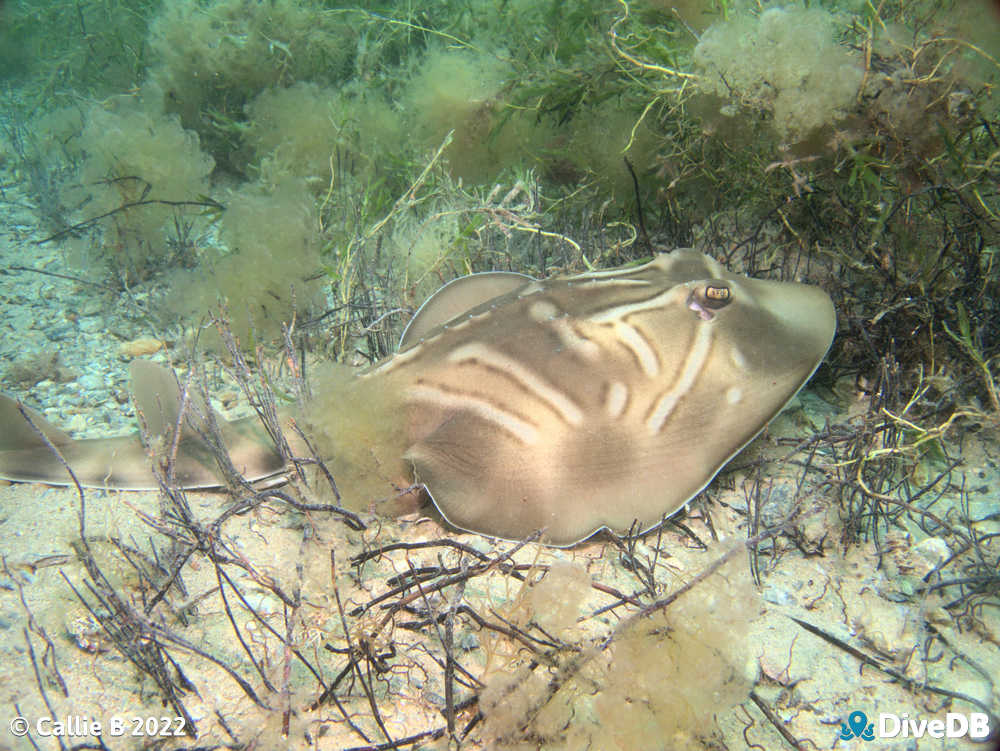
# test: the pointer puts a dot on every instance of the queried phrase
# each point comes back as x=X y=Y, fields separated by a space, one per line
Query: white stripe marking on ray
x=693 y=364
x=662 y=300
x=634 y=340
x=555 y=398
x=617 y=399
x=481 y=408
x=737 y=357
x=581 y=345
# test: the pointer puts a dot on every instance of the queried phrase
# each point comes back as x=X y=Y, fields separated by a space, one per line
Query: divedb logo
x=974 y=725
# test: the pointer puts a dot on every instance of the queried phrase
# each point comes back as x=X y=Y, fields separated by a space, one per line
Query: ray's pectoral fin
x=450 y=464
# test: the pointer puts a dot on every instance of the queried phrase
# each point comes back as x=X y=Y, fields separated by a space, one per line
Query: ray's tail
x=32 y=449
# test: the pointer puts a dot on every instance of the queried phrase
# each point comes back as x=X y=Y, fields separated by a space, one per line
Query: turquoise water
x=325 y=168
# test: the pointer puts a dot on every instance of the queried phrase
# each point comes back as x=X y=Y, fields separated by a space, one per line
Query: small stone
x=90 y=325
x=90 y=382
x=88 y=634
x=91 y=307
x=778 y=596
x=144 y=345
x=938 y=616
x=60 y=331
x=77 y=423
x=778 y=504
x=934 y=550
x=814 y=529
x=776 y=668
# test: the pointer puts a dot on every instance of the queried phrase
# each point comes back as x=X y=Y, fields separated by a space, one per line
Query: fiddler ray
x=607 y=399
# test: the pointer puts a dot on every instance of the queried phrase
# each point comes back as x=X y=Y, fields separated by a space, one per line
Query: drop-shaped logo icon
x=857 y=726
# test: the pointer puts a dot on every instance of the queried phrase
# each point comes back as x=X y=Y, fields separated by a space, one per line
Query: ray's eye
x=716 y=295
x=710 y=297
